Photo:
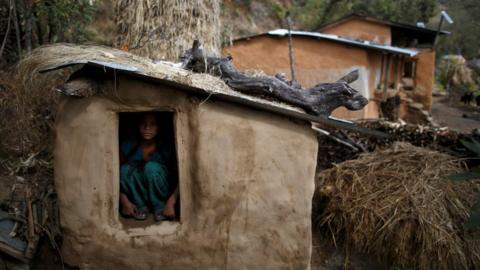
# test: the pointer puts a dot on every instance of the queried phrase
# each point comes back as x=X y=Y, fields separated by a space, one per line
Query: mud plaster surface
x=246 y=184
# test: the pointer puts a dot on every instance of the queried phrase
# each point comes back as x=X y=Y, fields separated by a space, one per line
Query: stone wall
x=246 y=183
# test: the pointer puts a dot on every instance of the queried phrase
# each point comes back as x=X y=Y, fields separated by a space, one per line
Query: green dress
x=145 y=183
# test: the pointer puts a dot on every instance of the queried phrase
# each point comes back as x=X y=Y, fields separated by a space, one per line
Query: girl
x=145 y=173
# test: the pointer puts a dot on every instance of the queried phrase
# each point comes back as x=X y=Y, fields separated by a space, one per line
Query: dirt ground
x=453 y=114
x=325 y=256
x=6 y=183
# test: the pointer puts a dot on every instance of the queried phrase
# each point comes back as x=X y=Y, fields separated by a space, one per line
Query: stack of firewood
x=343 y=145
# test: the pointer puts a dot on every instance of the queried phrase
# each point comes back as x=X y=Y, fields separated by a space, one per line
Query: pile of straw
x=163 y=30
x=397 y=205
x=453 y=69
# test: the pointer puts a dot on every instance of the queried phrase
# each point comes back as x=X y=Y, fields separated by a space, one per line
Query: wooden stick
x=290 y=48
x=17 y=30
x=10 y=9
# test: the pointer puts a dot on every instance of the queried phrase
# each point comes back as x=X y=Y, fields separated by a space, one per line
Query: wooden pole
x=387 y=77
x=397 y=70
x=290 y=47
x=438 y=32
x=4 y=42
x=17 y=30
x=382 y=73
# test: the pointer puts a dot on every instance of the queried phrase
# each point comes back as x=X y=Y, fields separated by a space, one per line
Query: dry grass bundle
x=26 y=162
x=59 y=54
x=26 y=121
x=26 y=116
x=26 y=129
x=454 y=70
x=397 y=205
x=165 y=29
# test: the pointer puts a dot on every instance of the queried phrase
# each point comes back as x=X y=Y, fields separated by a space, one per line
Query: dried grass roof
x=59 y=56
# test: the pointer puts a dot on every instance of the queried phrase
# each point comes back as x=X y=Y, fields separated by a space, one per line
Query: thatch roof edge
x=60 y=56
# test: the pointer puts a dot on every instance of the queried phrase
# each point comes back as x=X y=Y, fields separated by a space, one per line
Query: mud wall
x=361 y=29
x=246 y=183
x=316 y=61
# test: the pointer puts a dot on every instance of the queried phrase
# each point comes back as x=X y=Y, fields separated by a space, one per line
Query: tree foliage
x=465 y=31
x=313 y=13
x=26 y=24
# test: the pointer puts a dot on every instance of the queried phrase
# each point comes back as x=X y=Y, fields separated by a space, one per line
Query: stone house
x=246 y=169
x=393 y=59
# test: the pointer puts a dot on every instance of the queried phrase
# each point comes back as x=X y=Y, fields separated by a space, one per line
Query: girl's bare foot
x=169 y=211
x=127 y=207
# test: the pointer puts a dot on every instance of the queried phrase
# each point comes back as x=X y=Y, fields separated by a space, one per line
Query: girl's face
x=148 y=127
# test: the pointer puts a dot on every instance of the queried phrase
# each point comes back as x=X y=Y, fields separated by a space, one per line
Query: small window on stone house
x=409 y=69
x=149 y=191
x=408 y=76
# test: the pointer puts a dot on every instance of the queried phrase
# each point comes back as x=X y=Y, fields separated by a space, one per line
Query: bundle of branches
x=436 y=138
x=341 y=145
x=398 y=206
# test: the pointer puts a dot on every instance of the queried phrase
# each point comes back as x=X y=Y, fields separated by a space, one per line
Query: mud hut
x=245 y=168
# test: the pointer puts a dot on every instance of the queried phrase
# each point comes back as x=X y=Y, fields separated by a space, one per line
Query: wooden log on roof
x=319 y=100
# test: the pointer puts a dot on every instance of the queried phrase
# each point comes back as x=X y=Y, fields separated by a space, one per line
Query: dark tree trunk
x=17 y=30
x=28 y=24
x=40 y=33
x=319 y=100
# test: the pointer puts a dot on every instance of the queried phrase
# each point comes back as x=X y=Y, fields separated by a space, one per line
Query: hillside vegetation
x=33 y=23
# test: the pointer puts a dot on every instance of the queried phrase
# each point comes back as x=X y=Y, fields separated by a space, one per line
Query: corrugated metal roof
x=358 y=43
x=106 y=59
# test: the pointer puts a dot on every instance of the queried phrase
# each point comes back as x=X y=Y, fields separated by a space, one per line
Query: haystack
x=453 y=69
x=397 y=205
x=146 y=27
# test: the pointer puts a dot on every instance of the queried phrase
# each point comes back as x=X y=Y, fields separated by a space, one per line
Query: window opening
x=148 y=183
x=409 y=69
x=408 y=75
